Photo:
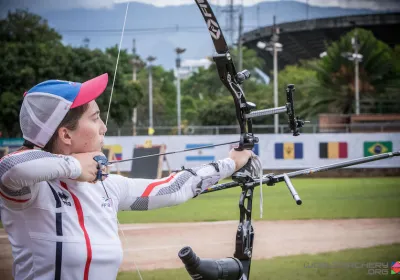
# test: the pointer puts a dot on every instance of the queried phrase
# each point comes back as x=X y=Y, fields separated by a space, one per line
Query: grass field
x=322 y=199
x=295 y=267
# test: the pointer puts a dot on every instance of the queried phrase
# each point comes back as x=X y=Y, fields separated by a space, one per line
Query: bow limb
x=229 y=77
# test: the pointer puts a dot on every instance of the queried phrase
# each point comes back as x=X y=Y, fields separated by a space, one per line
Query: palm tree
x=333 y=90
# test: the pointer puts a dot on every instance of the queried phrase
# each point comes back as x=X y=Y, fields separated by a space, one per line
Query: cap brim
x=90 y=90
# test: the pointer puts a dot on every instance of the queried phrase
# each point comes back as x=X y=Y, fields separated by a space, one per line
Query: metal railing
x=259 y=129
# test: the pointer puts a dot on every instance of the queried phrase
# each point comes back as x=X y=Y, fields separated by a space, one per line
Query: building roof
x=307 y=39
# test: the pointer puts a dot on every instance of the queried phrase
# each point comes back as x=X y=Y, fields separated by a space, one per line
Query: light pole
x=273 y=47
x=150 y=59
x=178 y=51
x=357 y=58
x=136 y=62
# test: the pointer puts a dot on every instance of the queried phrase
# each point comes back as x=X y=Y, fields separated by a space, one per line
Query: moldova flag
x=333 y=150
x=288 y=150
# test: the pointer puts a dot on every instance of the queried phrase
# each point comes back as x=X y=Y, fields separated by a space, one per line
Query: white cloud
x=363 y=4
x=48 y=5
x=97 y=4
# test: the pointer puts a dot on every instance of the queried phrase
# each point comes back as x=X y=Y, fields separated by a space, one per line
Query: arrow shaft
x=173 y=152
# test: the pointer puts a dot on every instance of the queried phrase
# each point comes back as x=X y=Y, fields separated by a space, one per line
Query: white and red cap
x=46 y=104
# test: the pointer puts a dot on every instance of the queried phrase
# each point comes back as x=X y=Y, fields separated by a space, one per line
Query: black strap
x=28 y=144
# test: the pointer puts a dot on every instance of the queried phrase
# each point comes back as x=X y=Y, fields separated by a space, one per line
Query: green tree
x=31 y=52
x=334 y=90
x=126 y=94
x=205 y=99
x=249 y=58
x=164 y=97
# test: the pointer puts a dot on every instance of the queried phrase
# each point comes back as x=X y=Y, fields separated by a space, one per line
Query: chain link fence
x=127 y=130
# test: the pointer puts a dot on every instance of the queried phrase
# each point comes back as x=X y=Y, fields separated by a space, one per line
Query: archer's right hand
x=88 y=166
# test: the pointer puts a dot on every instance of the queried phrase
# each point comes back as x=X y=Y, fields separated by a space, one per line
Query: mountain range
x=159 y=30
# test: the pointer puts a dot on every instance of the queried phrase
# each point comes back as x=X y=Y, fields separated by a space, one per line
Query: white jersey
x=60 y=228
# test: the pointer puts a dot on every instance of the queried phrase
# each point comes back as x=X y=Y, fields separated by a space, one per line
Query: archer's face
x=89 y=135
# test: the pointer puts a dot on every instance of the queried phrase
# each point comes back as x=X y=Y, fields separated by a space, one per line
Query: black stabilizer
x=210 y=269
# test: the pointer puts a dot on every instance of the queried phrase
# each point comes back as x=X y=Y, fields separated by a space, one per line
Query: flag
x=151 y=131
x=256 y=149
x=199 y=153
x=116 y=149
x=288 y=150
x=379 y=147
x=333 y=150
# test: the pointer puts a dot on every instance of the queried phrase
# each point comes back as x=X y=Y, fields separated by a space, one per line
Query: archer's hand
x=88 y=166
x=240 y=157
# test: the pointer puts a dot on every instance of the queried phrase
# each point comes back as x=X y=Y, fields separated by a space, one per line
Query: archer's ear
x=64 y=135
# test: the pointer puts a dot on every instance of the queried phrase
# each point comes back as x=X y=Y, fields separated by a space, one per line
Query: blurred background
x=323 y=47
x=343 y=57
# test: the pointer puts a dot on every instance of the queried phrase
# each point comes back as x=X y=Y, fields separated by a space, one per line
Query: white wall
x=310 y=142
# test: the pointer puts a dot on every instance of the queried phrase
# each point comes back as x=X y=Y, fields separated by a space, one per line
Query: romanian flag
x=333 y=150
x=375 y=148
x=288 y=150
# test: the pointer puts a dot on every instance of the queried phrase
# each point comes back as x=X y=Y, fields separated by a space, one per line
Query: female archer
x=61 y=222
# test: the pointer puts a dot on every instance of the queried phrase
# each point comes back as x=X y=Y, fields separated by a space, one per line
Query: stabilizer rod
x=271 y=179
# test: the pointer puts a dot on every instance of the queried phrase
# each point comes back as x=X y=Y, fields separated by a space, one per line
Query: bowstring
x=116 y=65
x=108 y=114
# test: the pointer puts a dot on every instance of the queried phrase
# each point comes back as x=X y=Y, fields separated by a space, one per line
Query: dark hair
x=70 y=121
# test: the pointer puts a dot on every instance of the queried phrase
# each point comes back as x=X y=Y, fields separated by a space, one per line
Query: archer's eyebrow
x=95 y=113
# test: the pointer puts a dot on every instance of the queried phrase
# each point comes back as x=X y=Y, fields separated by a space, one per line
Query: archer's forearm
x=143 y=194
x=26 y=168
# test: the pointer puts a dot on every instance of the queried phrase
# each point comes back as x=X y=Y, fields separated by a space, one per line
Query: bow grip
x=244 y=174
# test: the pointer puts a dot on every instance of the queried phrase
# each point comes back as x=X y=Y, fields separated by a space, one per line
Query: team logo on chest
x=106 y=202
x=64 y=198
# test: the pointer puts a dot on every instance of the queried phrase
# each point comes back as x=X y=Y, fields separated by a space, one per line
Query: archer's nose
x=103 y=128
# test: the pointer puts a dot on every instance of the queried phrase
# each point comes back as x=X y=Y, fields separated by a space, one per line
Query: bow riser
x=232 y=80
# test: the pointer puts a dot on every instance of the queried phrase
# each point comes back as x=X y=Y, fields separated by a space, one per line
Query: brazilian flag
x=375 y=148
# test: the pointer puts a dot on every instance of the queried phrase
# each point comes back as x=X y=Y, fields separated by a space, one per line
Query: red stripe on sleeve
x=342 y=149
x=81 y=220
x=150 y=187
